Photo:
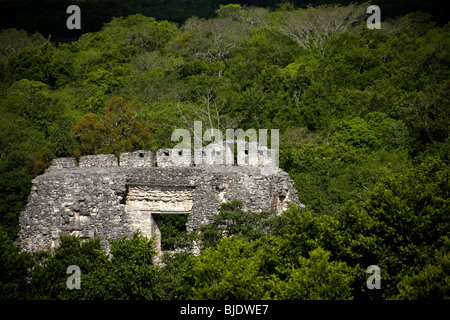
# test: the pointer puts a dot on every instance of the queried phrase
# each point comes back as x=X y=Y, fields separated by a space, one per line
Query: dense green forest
x=364 y=124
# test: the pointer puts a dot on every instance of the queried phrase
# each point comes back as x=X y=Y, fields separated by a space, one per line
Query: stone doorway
x=145 y=204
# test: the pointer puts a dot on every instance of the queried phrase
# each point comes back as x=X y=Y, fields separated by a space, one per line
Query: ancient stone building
x=106 y=197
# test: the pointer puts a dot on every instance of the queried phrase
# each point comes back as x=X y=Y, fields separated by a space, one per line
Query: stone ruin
x=105 y=197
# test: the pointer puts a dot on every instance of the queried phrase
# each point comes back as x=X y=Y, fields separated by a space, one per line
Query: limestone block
x=62 y=164
x=138 y=159
x=115 y=201
x=174 y=158
x=98 y=160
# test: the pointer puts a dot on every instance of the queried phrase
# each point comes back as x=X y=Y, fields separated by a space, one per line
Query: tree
x=115 y=132
x=433 y=282
x=143 y=32
x=233 y=11
x=328 y=175
x=230 y=271
x=14 y=266
x=88 y=135
x=232 y=220
x=13 y=41
x=376 y=132
x=405 y=215
x=32 y=63
x=28 y=110
x=310 y=28
x=33 y=100
x=132 y=274
x=173 y=230
x=175 y=280
x=216 y=40
x=316 y=278
x=49 y=275
x=127 y=273
x=289 y=263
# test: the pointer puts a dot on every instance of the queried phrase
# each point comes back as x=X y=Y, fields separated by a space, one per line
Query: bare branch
x=310 y=28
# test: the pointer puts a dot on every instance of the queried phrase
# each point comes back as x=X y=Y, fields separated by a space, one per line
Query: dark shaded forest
x=45 y=16
x=364 y=134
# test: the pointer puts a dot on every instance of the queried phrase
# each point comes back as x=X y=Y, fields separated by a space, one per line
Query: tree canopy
x=364 y=134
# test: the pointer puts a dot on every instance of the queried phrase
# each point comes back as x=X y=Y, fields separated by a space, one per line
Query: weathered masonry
x=102 y=196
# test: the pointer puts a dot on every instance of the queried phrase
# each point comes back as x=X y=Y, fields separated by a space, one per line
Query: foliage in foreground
x=402 y=226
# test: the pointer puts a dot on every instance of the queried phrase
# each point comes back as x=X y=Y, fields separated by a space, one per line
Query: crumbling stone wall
x=107 y=198
x=141 y=158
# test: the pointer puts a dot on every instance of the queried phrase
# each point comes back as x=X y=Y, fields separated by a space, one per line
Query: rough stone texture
x=141 y=158
x=63 y=163
x=99 y=160
x=99 y=198
x=165 y=158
